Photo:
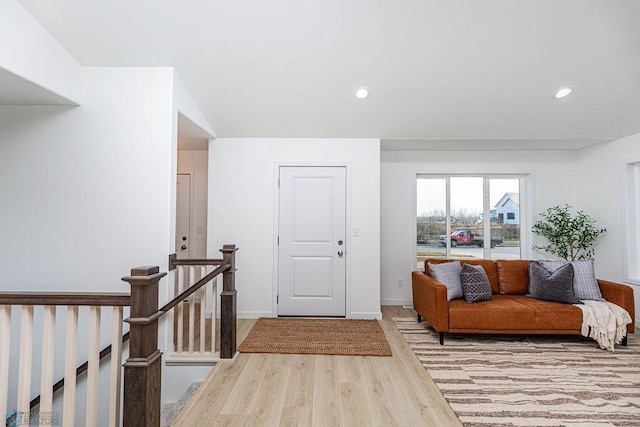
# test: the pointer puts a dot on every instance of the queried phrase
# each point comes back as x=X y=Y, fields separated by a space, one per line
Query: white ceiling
x=438 y=71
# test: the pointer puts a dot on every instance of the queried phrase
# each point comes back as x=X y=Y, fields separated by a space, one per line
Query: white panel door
x=312 y=244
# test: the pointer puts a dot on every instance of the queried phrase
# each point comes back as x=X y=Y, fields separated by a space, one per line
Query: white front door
x=312 y=241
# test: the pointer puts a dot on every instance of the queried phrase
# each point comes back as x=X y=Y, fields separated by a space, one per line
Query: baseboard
x=395 y=301
x=365 y=315
x=255 y=314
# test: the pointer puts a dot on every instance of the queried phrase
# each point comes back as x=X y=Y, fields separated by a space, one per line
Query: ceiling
x=471 y=73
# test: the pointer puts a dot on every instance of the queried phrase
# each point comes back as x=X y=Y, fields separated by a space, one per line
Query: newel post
x=143 y=368
x=228 y=304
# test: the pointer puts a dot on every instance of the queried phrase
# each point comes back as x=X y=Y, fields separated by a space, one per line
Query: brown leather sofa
x=510 y=311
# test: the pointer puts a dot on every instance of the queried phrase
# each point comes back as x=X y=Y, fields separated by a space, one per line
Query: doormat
x=346 y=337
x=538 y=380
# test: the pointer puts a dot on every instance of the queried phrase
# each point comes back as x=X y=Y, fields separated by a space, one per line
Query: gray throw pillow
x=556 y=286
x=585 y=284
x=448 y=273
x=475 y=283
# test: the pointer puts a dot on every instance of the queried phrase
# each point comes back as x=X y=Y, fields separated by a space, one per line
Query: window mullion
x=486 y=224
x=448 y=216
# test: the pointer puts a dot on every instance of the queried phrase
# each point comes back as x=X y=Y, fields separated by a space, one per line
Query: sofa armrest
x=430 y=300
x=621 y=295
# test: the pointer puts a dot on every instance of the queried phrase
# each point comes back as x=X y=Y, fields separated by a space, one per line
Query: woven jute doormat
x=347 y=337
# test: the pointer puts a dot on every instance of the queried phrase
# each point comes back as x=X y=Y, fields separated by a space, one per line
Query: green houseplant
x=569 y=236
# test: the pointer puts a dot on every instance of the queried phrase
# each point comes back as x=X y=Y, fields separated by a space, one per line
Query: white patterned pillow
x=448 y=273
x=585 y=284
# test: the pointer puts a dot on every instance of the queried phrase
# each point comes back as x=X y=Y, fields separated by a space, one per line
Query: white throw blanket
x=604 y=321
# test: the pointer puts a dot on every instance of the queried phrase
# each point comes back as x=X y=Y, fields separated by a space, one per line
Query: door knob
x=340 y=253
x=183 y=247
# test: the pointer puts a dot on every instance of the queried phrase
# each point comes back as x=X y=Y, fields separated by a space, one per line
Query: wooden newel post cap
x=228 y=249
x=144 y=275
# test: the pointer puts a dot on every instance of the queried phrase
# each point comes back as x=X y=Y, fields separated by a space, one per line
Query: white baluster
x=180 y=309
x=192 y=309
x=93 y=368
x=116 y=367
x=48 y=356
x=5 y=345
x=214 y=312
x=25 y=361
x=203 y=272
x=71 y=345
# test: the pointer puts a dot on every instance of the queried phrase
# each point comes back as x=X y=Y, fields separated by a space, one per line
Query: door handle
x=340 y=253
x=183 y=247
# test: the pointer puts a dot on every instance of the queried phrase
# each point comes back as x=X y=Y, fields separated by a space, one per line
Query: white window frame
x=526 y=194
x=631 y=215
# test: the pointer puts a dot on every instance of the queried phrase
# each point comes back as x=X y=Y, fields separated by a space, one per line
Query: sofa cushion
x=513 y=276
x=501 y=313
x=585 y=284
x=488 y=265
x=475 y=284
x=552 y=315
x=556 y=286
x=448 y=274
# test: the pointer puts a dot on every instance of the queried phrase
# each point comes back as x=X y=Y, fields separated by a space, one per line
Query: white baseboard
x=396 y=301
x=255 y=314
x=365 y=315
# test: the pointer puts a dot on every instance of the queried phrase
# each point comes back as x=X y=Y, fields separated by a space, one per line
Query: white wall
x=551 y=182
x=29 y=51
x=196 y=163
x=85 y=190
x=242 y=191
x=600 y=174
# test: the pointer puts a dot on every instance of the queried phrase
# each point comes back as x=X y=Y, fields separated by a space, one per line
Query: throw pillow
x=556 y=286
x=448 y=273
x=585 y=284
x=475 y=283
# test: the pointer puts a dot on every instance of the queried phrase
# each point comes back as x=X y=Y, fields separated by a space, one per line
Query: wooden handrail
x=174 y=261
x=187 y=292
x=60 y=298
x=193 y=288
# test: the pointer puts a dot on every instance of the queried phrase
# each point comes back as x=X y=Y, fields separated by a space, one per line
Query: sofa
x=509 y=311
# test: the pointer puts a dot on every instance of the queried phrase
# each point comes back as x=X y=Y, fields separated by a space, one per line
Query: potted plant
x=570 y=237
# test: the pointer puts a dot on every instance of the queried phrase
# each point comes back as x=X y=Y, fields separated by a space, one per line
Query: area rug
x=316 y=336
x=514 y=380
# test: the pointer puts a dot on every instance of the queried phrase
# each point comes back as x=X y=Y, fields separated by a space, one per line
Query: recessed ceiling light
x=362 y=92
x=562 y=92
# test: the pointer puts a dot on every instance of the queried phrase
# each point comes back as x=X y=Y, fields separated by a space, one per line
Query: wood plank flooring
x=318 y=390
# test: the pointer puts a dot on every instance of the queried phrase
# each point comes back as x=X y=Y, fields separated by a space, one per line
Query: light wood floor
x=318 y=390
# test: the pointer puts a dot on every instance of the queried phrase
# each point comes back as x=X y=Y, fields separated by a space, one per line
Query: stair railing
x=27 y=303
x=143 y=368
x=195 y=318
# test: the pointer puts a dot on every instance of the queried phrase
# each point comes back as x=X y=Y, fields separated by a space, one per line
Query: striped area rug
x=506 y=380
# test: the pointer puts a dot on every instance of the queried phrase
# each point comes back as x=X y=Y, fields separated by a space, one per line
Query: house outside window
x=468 y=216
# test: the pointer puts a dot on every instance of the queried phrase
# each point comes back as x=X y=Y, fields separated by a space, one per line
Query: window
x=468 y=217
x=632 y=246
